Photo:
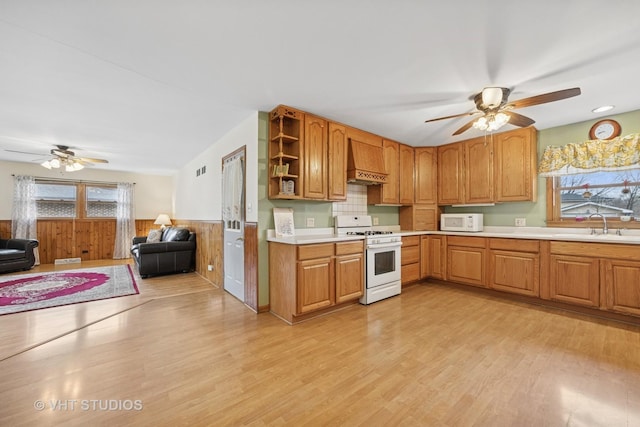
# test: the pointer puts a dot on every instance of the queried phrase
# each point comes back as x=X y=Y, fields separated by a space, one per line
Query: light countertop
x=326 y=235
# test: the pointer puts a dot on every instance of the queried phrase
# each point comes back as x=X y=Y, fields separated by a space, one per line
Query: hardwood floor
x=189 y=353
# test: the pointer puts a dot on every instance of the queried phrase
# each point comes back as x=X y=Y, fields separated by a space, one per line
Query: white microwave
x=462 y=222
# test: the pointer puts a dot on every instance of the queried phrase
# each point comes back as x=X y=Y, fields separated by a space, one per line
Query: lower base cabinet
x=410 y=259
x=514 y=266
x=304 y=279
x=575 y=280
x=466 y=260
x=622 y=286
x=434 y=256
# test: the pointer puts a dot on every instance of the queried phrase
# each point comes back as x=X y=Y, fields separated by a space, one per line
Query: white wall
x=153 y=192
x=200 y=197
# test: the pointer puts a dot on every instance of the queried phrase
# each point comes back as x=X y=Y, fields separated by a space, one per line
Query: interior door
x=233 y=203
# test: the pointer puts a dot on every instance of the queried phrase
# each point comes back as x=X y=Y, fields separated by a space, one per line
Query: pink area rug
x=42 y=290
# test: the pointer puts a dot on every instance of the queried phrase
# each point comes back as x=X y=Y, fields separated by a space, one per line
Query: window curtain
x=125 y=221
x=232 y=180
x=596 y=155
x=24 y=214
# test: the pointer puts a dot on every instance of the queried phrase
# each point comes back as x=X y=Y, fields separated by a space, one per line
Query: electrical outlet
x=210 y=267
x=521 y=222
x=376 y=221
x=311 y=222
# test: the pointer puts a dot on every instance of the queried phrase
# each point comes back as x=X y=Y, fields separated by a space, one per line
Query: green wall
x=535 y=212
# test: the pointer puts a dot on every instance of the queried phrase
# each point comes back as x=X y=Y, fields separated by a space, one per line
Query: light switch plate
x=521 y=222
x=376 y=221
x=311 y=222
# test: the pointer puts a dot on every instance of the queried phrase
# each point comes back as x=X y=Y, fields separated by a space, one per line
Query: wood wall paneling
x=251 y=265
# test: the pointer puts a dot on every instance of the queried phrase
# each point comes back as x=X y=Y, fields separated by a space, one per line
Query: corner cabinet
x=286 y=132
x=307 y=280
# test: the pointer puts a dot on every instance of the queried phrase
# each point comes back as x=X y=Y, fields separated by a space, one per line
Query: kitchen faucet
x=605 y=230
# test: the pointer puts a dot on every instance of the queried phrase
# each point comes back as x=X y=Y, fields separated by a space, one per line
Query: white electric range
x=382 y=278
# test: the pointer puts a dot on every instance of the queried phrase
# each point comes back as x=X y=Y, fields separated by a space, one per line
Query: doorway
x=233 y=218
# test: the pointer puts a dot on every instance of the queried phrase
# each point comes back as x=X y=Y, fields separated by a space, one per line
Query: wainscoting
x=94 y=239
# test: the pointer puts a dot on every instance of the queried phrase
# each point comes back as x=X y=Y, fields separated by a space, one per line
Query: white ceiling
x=150 y=84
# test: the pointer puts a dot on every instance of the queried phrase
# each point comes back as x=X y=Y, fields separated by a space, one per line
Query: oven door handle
x=384 y=245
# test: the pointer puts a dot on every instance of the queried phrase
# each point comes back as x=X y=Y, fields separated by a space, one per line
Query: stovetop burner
x=367 y=233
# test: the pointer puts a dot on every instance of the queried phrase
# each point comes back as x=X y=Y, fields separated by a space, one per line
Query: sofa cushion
x=174 y=234
x=11 y=254
x=154 y=236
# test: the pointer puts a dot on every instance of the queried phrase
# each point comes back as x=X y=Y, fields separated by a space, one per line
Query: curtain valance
x=590 y=156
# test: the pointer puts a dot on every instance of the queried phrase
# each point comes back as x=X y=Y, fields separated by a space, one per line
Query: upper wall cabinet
x=315 y=157
x=426 y=175
x=286 y=133
x=450 y=174
x=493 y=168
x=307 y=156
x=387 y=193
x=337 y=167
x=515 y=161
x=406 y=175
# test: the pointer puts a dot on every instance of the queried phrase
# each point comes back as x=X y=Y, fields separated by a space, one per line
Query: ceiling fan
x=62 y=156
x=493 y=103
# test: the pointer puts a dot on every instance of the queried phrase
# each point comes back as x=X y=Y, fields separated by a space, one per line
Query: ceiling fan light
x=492 y=97
x=603 y=109
x=77 y=166
x=46 y=164
x=481 y=123
x=55 y=163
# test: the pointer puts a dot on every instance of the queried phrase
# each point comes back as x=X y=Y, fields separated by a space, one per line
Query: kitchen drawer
x=515 y=245
x=410 y=254
x=345 y=248
x=315 y=251
x=410 y=241
x=470 y=242
x=410 y=273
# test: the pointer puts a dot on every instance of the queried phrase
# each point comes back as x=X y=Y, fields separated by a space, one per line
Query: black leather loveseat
x=17 y=254
x=175 y=252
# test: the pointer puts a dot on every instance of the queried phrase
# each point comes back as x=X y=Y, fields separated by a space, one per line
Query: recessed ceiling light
x=603 y=109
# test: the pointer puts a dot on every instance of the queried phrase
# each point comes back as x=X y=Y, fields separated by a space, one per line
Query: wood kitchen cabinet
x=466 y=260
x=410 y=259
x=419 y=217
x=308 y=279
x=349 y=271
x=575 y=280
x=622 y=286
x=493 y=168
x=389 y=192
x=426 y=175
x=337 y=162
x=515 y=162
x=406 y=175
x=478 y=171
x=315 y=157
x=434 y=256
x=286 y=133
x=514 y=266
x=450 y=174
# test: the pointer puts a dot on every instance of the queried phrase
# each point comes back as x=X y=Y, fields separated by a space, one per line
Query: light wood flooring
x=190 y=354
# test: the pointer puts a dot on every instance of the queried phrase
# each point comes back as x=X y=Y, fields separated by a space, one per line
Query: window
x=101 y=202
x=75 y=200
x=612 y=194
x=56 y=200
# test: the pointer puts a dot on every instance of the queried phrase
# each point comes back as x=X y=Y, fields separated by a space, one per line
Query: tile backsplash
x=356 y=203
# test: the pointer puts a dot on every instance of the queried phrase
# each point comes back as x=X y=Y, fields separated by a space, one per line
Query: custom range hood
x=365 y=164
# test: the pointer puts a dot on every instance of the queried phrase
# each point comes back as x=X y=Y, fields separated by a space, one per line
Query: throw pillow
x=154 y=236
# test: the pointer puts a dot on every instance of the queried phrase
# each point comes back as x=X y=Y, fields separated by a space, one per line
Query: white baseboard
x=67 y=261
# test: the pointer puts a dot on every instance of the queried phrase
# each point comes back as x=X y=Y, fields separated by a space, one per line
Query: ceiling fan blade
x=451 y=117
x=464 y=128
x=518 y=119
x=25 y=152
x=90 y=160
x=544 y=98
